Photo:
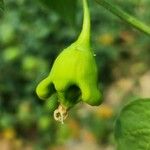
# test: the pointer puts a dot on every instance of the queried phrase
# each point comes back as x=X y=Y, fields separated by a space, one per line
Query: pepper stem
x=84 y=37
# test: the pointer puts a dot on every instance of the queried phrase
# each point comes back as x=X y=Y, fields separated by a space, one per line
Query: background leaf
x=65 y=8
x=133 y=126
x=1 y=5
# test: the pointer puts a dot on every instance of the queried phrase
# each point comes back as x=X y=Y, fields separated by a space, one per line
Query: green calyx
x=74 y=73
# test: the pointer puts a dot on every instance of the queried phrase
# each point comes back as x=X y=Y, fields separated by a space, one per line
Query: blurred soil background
x=31 y=37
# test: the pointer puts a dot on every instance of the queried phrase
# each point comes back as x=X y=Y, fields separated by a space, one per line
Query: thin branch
x=125 y=16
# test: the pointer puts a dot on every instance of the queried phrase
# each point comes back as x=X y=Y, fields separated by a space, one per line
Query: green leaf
x=132 y=129
x=65 y=8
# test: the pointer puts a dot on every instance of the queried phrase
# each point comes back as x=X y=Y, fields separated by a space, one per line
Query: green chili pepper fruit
x=74 y=72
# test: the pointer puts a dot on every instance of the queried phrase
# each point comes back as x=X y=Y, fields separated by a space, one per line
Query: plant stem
x=84 y=36
x=125 y=16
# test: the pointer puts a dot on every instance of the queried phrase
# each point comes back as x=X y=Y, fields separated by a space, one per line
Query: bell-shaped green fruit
x=74 y=72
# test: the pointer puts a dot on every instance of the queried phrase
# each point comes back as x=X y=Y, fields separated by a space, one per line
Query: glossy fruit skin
x=74 y=66
x=74 y=70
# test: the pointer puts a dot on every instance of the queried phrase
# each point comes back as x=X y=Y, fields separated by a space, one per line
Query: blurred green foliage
x=1 y=8
x=31 y=36
x=67 y=11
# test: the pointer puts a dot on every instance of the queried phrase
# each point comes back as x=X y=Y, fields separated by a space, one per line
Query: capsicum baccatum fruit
x=74 y=74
